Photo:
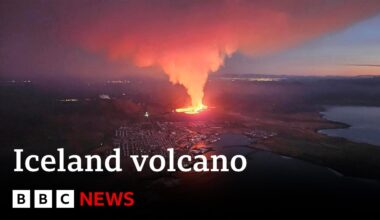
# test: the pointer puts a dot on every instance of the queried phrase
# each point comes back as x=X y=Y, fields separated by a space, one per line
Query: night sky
x=187 y=40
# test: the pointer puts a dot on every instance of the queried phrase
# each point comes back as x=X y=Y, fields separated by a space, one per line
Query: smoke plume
x=186 y=39
x=190 y=39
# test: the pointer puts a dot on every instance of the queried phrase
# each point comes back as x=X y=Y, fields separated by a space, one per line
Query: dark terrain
x=34 y=117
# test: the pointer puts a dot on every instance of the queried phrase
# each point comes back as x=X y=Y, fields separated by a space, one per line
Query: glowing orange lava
x=192 y=110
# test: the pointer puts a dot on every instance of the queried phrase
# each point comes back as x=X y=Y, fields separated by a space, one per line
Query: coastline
x=352 y=123
x=346 y=157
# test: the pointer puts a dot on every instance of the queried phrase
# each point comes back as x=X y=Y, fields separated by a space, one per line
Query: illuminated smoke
x=190 y=39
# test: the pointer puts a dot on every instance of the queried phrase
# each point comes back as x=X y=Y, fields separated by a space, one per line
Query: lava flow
x=192 y=110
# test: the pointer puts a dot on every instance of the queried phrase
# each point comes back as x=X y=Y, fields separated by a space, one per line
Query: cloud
x=364 y=65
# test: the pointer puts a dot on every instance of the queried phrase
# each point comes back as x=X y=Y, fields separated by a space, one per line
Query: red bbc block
x=108 y=199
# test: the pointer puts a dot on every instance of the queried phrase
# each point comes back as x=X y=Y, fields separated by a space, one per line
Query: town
x=152 y=138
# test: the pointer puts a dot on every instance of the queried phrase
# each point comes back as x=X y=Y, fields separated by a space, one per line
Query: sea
x=363 y=122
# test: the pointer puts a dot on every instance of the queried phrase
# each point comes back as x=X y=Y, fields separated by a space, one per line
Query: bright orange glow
x=192 y=110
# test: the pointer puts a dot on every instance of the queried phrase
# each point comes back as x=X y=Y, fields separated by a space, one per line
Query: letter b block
x=20 y=198
x=43 y=199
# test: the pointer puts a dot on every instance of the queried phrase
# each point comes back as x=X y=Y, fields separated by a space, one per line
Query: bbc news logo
x=43 y=199
x=66 y=199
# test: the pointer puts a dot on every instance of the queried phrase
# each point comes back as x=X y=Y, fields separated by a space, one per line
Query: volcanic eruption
x=188 y=40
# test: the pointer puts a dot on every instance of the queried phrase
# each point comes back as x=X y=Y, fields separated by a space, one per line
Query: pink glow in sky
x=187 y=40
